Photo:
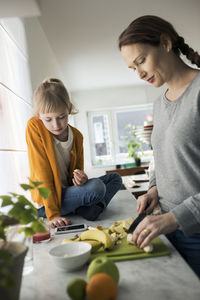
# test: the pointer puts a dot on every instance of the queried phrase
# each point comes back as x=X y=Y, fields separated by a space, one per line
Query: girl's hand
x=79 y=177
x=153 y=226
x=150 y=199
x=59 y=221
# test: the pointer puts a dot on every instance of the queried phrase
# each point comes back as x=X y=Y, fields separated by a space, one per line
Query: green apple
x=76 y=289
x=103 y=264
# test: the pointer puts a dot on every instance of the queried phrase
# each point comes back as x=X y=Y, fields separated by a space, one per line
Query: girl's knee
x=116 y=178
x=97 y=188
x=100 y=188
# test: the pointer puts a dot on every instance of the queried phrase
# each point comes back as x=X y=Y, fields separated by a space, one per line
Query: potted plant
x=19 y=211
x=134 y=144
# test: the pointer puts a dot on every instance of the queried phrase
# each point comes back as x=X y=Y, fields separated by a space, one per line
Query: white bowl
x=70 y=256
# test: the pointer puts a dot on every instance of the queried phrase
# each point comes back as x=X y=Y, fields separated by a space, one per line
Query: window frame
x=115 y=156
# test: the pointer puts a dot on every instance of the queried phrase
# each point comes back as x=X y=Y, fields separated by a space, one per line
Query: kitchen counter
x=159 y=278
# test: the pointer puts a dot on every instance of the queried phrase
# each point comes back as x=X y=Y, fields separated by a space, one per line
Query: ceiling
x=83 y=35
x=19 y=8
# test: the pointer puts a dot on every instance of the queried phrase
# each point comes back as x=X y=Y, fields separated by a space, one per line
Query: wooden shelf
x=136 y=191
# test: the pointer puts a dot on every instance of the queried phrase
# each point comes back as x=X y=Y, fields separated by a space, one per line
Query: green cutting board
x=125 y=251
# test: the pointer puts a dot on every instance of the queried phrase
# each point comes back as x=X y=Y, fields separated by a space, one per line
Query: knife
x=136 y=222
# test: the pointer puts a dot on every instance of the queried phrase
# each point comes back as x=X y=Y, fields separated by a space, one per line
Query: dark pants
x=188 y=247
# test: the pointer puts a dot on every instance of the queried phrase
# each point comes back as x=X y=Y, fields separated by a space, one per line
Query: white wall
x=42 y=61
x=103 y=99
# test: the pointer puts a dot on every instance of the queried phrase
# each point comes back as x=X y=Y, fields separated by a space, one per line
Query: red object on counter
x=148 y=127
x=40 y=237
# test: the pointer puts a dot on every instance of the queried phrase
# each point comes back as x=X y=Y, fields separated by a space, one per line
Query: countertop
x=163 y=278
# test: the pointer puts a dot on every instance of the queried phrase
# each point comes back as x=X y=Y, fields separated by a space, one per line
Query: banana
x=127 y=223
x=129 y=239
x=121 y=226
x=95 y=244
x=149 y=248
x=98 y=235
x=103 y=237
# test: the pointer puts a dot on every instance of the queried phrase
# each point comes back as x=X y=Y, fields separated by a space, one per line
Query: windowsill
x=146 y=157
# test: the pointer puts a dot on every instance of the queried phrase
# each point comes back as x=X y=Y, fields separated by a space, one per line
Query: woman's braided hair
x=191 y=55
x=148 y=29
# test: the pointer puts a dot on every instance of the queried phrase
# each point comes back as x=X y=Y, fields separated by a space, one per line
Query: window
x=107 y=130
x=100 y=137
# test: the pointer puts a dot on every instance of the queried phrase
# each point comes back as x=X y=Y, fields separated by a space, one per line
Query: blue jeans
x=95 y=190
x=188 y=247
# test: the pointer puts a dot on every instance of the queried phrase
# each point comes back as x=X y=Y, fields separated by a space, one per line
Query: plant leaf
x=28 y=204
x=14 y=195
x=7 y=200
x=29 y=231
x=26 y=186
x=26 y=217
x=20 y=213
x=38 y=227
x=6 y=220
x=44 y=192
x=2 y=233
x=25 y=201
x=36 y=183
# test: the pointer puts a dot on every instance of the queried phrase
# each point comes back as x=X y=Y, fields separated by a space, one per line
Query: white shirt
x=62 y=150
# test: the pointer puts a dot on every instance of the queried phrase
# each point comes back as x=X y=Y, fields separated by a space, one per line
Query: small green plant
x=20 y=212
x=134 y=144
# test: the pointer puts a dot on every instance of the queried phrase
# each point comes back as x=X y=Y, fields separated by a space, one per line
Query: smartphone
x=70 y=228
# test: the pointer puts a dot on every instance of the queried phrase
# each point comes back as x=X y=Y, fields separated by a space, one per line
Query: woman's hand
x=59 y=221
x=79 y=177
x=153 y=226
x=150 y=199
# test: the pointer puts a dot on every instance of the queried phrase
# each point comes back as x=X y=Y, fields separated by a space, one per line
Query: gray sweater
x=176 y=148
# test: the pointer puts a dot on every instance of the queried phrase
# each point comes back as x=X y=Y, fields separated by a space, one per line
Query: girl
x=55 y=153
x=151 y=47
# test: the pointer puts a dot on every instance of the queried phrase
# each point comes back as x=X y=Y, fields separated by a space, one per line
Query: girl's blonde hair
x=50 y=96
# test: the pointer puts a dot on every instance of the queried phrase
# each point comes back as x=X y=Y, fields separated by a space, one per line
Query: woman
x=55 y=152
x=151 y=47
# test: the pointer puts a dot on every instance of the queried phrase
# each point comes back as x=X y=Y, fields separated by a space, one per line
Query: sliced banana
x=129 y=238
x=148 y=249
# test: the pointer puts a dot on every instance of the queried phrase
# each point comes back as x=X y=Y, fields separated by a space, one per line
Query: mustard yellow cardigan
x=44 y=167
